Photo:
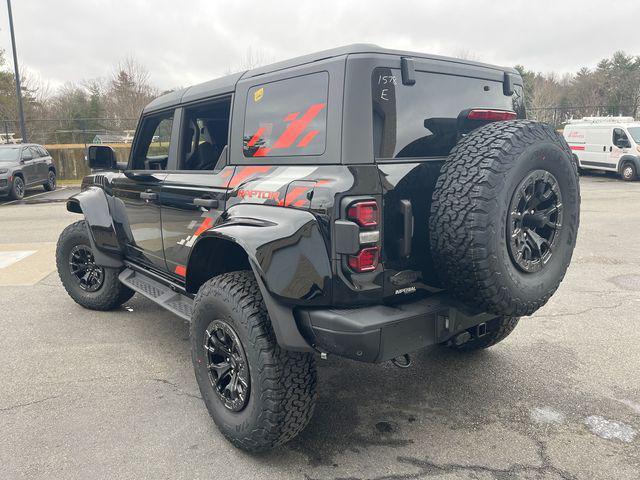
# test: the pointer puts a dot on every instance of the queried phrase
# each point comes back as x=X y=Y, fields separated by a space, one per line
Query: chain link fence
x=79 y=131
x=84 y=131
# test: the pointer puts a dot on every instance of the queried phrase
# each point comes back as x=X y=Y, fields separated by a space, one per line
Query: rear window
x=287 y=117
x=421 y=120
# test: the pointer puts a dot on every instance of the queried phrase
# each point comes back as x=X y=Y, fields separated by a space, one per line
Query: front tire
x=17 y=188
x=259 y=395
x=629 y=172
x=50 y=184
x=90 y=285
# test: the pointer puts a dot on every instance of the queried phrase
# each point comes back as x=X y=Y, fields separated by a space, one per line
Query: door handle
x=148 y=196
x=407 y=235
x=206 y=202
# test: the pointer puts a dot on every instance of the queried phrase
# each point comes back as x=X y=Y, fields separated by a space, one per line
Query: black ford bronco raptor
x=361 y=202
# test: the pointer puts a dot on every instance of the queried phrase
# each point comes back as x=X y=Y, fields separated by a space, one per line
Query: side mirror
x=101 y=157
x=622 y=143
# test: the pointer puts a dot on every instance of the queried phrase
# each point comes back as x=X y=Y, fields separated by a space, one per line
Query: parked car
x=610 y=144
x=24 y=166
x=361 y=202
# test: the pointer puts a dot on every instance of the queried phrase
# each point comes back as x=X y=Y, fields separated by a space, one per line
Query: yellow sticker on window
x=258 y=94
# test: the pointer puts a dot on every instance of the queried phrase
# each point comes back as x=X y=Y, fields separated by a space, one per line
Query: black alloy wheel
x=227 y=365
x=535 y=220
x=89 y=276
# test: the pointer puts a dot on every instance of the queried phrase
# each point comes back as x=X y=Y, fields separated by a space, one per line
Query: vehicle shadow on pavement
x=362 y=406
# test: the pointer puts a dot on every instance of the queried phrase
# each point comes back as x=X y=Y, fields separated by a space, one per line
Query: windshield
x=9 y=155
x=635 y=133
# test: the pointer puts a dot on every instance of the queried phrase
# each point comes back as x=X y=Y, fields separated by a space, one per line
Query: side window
x=205 y=131
x=151 y=151
x=43 y=152
x=35 y=153
x=620 y=137
x=287 y=117
x=27 y=154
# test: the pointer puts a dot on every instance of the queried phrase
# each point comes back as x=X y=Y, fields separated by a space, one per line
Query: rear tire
x=50 y=184
x=91 y=286
x=277 y=391
x=17 y=188
x=497 y=330
x=629 y=172
x=504 y=217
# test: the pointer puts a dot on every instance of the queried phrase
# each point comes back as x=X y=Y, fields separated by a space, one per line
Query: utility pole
x=23 y=130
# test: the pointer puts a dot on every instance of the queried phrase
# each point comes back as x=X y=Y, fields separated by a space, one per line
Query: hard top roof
x=227 y=83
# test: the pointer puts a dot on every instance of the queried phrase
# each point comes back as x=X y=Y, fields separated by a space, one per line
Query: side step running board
x=163 y=295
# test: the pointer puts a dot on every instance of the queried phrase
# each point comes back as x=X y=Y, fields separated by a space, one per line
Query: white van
x=606 y=143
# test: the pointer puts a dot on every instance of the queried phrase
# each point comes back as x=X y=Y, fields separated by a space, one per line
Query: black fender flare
x=289 y=259
x=635 y=159
x=94 y=204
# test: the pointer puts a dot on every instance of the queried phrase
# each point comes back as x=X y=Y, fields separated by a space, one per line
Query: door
x=620 y=146
x=137 y=191
x=41 y=164
x=29 y=166
x=598 y=146
x=194 y=194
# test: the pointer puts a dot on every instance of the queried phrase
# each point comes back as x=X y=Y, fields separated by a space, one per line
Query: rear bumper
x=381 y=332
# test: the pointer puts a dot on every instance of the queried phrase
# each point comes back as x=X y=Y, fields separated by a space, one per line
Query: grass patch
x=75 y=182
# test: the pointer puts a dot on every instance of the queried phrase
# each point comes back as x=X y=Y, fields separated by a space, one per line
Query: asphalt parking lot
x=91 y=395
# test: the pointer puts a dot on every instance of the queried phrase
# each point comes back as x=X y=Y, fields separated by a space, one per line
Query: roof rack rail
x=609 y=119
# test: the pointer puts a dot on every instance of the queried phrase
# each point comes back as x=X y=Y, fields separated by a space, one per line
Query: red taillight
x=365 y=261
x=364 y=214
x=491 y=115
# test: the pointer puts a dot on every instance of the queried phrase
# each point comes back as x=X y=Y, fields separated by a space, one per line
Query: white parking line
x=11 y=257
x=33 y=196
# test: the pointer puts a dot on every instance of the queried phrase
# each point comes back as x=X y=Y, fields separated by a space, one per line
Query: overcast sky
x=189 y=41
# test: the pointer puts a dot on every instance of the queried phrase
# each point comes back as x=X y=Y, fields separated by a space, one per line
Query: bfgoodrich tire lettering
x=110 y=294
x=470 y=211
x=282 y=384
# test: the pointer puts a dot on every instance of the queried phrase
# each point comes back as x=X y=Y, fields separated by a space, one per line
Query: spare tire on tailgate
x=504 y=217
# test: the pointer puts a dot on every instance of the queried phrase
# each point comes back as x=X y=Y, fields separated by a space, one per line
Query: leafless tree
x=129 y=90
x=252 y=58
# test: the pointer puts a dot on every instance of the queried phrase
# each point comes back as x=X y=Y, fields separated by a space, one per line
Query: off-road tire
x=110 y=295
x=18 y=188
x=471 y=206
x=50 y=184
x=629 y=177
x=497 y=330
x=282 y=391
